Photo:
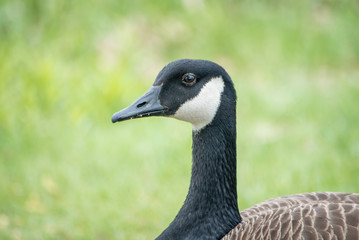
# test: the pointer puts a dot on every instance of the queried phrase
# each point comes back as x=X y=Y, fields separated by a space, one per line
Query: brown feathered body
x=311 y=216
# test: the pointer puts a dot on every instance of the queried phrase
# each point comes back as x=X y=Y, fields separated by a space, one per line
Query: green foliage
x=66 y=66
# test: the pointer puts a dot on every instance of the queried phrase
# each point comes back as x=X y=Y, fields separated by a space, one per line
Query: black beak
x=145 y=106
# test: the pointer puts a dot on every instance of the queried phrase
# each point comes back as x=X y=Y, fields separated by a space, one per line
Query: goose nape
x=202 y=93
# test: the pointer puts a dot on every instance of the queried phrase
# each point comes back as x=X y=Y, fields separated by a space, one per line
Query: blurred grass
x=66 y=66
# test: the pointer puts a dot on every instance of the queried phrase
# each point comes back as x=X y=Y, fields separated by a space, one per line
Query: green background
x=67 y=172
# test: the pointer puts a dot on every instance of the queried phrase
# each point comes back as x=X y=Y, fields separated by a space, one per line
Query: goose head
x=186 y=89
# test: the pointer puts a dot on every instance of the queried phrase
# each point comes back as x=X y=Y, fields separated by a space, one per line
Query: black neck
x=210 y=209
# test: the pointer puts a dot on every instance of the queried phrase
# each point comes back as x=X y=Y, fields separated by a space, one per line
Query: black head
x=186 y=89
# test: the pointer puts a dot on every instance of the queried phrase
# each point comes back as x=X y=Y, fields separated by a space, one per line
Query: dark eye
x=189 y=79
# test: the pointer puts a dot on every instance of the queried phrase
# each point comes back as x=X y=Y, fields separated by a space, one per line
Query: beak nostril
x=141 y=104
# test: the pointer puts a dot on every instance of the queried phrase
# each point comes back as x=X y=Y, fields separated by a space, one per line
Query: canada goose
x=202 y=93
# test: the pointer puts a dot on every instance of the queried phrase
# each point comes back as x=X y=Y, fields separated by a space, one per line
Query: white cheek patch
x=201 y=109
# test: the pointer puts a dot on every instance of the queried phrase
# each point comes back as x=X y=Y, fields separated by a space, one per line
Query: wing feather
x=323 y=215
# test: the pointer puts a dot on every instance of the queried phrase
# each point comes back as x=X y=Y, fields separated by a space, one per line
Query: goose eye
x=189 y=79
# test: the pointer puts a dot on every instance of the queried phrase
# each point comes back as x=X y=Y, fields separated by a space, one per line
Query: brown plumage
x=318 y=215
